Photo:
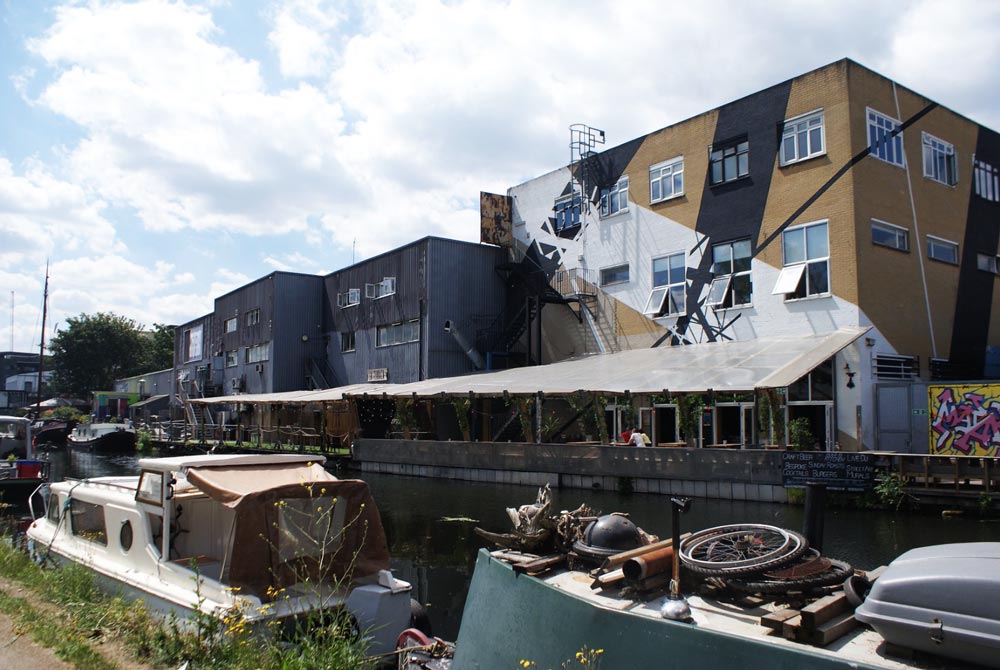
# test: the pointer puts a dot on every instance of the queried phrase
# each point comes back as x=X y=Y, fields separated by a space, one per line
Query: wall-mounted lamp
x=850 y=375
x=869 y=341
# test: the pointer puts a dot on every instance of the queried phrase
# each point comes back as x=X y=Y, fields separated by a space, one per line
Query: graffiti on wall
x=495 y=219
x=965 y=419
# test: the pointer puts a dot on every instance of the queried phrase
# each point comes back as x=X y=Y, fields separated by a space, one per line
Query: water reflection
x=433 y=545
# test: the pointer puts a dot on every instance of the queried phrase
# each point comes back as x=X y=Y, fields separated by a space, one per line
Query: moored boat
x=49 y=433
x=103 y=437
x=749 y=596
x=273 y=537
x=20 y=478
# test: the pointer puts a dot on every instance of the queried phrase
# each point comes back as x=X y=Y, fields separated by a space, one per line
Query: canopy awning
x=151 y=400
x=231 y=485
x=739 y=365
x=743 y=365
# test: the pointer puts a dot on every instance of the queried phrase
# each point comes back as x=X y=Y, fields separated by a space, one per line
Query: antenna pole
x=41 y=347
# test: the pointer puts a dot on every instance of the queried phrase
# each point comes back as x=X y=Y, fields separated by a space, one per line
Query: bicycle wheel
x=740 y=549
x=834 y=573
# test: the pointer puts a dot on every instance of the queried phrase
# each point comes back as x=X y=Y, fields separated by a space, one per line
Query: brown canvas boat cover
x=277 y=506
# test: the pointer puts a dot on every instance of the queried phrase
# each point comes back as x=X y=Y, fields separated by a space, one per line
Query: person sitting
x=637 y=440
x=627 y=435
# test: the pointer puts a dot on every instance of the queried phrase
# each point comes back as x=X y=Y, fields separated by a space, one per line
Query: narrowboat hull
x=116 y=441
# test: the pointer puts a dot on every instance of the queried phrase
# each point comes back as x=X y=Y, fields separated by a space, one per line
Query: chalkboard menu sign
x=837 y=470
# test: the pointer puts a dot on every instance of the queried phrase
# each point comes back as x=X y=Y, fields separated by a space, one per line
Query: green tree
x=94 y=350
x=161 y=348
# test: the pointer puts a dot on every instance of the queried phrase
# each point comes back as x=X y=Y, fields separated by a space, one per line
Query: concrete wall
x=703 y=473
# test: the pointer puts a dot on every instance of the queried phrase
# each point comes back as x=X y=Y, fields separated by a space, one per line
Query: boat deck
x=742 y=618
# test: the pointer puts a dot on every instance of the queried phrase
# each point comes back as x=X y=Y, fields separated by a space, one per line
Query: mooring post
x=812 y=524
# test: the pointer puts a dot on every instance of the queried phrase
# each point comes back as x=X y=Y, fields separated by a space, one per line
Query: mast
x=41 y=347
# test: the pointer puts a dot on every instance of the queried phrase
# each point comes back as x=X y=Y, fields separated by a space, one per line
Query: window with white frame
x=802 y=138
x=666 y=180
x=732 y=285
x=888 y=235
x=398 y=333
x=567 y=209
x=349 y=298
x=615 y=199
x=806 y=257
x=192 y=343
x=987 y=179
x=232 y=358
x=253 y=317
x=230 y=325
x=883 y=144
x=257 y=353
x=942 y=250
x=669 y=287
x=347 y=341
x=617 y=274
x=382 y=289
x=939 y=160
x=988 y=263
x=729 y=161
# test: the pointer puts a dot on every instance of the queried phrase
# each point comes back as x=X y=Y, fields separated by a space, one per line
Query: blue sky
x=160 y=153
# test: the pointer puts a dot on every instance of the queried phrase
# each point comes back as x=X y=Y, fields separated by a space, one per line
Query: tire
x=419 y=618
x=835 y=574
x=742 y=549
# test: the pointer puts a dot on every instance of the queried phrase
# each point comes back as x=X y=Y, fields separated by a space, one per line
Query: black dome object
x=610 y=534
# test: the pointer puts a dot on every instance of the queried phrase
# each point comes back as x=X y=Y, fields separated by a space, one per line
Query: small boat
x=273 y=537
x=103 y=437
x=51 y=433
x=754 y=596
x=22 y=477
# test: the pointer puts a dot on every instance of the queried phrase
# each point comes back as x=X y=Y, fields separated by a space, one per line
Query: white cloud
x=183 y=278
x=304 y=36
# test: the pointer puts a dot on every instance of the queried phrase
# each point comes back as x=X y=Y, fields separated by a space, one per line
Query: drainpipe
x=470 y=350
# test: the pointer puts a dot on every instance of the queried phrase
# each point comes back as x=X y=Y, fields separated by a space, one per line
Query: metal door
x=892 y=418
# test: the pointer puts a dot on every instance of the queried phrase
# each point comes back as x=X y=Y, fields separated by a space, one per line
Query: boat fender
x=419 y=618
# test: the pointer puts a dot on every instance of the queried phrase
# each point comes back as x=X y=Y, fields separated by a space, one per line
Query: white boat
x=273 y=536
x=103 y=437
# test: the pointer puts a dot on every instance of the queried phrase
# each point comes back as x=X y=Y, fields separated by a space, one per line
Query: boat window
x=53 y=511
x=150 y=489
x=310 y=527
x=87 y=521
x=125 y=535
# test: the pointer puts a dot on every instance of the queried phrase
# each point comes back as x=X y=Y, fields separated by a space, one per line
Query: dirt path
x=20 y=651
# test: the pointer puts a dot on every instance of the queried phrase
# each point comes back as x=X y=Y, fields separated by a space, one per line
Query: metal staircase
x=200 y=424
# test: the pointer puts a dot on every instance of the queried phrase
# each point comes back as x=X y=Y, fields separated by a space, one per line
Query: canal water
x=429 y=524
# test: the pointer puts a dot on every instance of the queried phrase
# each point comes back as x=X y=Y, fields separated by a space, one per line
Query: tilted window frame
x=898 y=232
x=789 y=130
x=943 y=243
x=722 y=287
x=676 y=169
x=933 y=151
x=805 y=275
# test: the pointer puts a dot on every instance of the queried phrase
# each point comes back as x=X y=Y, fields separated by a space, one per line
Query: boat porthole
x=125 y=535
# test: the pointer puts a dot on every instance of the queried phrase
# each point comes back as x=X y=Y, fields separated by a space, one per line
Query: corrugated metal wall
x=464 y=288
x=297 y=332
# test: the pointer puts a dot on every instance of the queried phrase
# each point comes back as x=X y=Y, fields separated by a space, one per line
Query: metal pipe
x=812 y=524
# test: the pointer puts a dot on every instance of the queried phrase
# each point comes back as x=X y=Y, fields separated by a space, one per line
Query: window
x=802 y=138
x=729 y=161
x=232 y=358
x=257 y=353
x=380 y=290
x=192 y=343
x=666 y=180
x=887 y=235
x=883 y=144
x=669 y=287
x=942 y=250
x=615 y=199
x=349 y=298
x=347 y=342
x=939 y=160
x=732 y=285
x=87 y=521
x=253 y=317
x=230 y=325
x=398 y=333
x=988 y=263
x=150 y=489
x=614 y=275
x=806 y=257
x=987 y=181
x=567 y=211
